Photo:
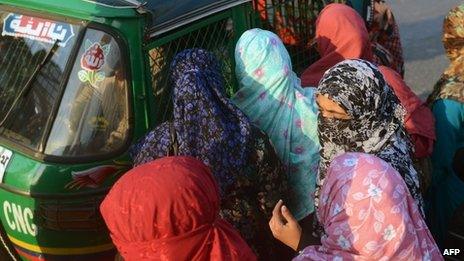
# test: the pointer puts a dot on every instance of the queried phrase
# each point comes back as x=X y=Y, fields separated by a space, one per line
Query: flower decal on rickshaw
x=94 y=177
x=92 y=61
x=93 y=58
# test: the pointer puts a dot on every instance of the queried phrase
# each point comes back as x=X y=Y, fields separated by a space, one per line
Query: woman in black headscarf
x=365 y=116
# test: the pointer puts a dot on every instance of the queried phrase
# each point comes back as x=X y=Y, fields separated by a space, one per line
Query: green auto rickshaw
x=80 y=81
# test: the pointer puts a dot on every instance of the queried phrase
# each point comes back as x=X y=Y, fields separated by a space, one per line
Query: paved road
x=420 y=23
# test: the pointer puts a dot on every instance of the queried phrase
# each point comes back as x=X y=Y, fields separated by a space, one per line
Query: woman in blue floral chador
x=206 y=125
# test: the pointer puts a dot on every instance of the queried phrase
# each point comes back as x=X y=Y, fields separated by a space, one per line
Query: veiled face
x=453 y=33
x=330 y=109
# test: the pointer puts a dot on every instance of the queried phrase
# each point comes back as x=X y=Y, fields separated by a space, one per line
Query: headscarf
x=206 y=124
x=168 y=209
x=368 y=214
x=376 y=123
x=271 y=96
x=451 y=83
x=340 y=34
x=384 y=32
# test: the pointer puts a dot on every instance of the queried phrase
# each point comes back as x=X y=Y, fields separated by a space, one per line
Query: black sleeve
x=458 y=163
x=306 y=239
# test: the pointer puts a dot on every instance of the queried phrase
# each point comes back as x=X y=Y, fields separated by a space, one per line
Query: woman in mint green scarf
x=271 y=96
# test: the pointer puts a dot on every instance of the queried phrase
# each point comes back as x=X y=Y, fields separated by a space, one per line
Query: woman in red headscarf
x=168 y=209
x=341 y=34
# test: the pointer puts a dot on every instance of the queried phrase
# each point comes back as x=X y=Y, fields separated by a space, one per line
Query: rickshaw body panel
x=46 y=220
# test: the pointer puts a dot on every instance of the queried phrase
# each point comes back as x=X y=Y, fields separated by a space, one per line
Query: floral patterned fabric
x=270 y=94
x=248 y=203
x=376 y=124
x=368 y=214
x=209 y=127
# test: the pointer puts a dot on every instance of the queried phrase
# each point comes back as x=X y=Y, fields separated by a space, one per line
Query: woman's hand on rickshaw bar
x=284 y=226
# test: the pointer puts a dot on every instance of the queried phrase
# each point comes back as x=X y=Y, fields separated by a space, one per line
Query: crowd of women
x=334 y=164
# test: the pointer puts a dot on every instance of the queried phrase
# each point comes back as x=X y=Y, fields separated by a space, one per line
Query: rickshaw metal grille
x=294 y=22
x=66 y=215
x=215 y=35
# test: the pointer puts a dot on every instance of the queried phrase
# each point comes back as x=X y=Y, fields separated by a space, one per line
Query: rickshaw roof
x=169 y=14
x=174 y=13
x=78 y=8
x=166 y=14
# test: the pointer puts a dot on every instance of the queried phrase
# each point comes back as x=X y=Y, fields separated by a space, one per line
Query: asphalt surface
x=420 y=23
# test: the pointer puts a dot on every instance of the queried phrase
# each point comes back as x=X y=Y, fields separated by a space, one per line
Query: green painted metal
x=43 y=190
x=197 y=25
x=72 y=9
x=165 y=11
x=217 y=34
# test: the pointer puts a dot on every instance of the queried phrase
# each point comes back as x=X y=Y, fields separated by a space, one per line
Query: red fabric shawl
x=168 y=210
x=340 y=34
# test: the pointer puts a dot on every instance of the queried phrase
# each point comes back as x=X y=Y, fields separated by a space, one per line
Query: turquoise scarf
x=271 y=96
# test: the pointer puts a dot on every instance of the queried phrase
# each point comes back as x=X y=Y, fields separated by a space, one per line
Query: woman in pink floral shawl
x=367 y=214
